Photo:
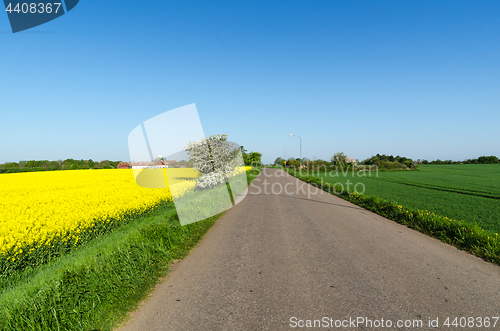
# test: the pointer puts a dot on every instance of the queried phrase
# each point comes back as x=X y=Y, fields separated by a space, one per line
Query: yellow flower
x=40 y=207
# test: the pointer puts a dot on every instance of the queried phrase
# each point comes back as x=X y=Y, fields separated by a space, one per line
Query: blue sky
x=414 y=78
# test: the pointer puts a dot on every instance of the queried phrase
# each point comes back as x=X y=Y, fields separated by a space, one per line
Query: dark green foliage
x=389 y=162
x=293 y=163
x=480 y=160
x=252 y=174
x=251 y=159
x=45 y=165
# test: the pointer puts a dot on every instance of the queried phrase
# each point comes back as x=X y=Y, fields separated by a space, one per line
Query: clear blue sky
x=414 y=78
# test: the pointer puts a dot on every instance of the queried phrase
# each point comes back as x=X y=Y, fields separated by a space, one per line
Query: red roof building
x=124 y=165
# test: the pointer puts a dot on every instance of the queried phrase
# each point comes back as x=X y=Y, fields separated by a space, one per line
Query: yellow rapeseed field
x=38 y=207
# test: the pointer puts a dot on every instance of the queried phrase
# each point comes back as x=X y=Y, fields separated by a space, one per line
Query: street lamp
x=285 y=151
x=294 y=135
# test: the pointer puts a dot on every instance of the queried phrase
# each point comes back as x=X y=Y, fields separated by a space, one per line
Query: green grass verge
x=95 y=286
x=35 y=255
x=461 y=234
x=253 y=173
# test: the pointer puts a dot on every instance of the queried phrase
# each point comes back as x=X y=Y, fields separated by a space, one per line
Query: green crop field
x=468 y=192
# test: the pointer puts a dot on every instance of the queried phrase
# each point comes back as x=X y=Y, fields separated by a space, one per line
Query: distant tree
x=106 y=164
x=254 y=159
x=293 y=163
x=114 y=164
x=31 y=164
x=487 y=160
x=339 y=159
x=318 y=165
x=54 y=165
x=45 y=165
x=244 y=154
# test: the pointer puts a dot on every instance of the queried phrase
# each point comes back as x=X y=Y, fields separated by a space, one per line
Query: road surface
x=283 y=260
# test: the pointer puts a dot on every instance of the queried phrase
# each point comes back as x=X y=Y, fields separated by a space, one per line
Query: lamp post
x=285 y=151
x=294 y=135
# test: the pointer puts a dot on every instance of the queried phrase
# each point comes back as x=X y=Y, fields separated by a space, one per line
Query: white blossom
x=215 y=158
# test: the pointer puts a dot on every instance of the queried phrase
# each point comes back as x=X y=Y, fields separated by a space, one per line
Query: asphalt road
x=277 y=259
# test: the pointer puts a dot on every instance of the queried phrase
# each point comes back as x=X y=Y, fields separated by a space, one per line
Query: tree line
x=252 y=158
x=382 y=161
x=480 y=160
x=46 y=165
x=341 y=160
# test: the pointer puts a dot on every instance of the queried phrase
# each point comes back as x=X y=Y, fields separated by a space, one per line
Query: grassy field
x=462 y=192
x=425 y=200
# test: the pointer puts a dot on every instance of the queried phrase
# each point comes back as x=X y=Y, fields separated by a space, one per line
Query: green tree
x=487 y=159
x=279 y=161
x=254 y=159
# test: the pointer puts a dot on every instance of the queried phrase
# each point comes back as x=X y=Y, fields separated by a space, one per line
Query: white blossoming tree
x=215 y=158
x=339 y=159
